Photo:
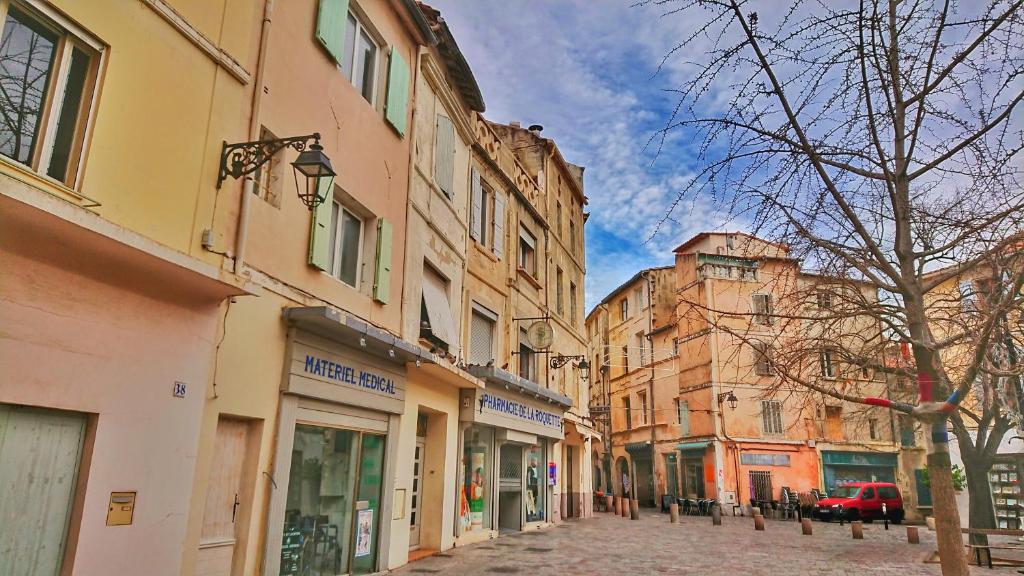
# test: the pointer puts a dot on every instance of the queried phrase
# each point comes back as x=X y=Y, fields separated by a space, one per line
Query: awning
x=693 y=446
x=351 y=331
x=638 y=446
x=439 y=312
x=881 y=459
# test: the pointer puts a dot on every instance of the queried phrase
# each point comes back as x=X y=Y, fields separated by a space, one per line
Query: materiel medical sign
x=349 y=375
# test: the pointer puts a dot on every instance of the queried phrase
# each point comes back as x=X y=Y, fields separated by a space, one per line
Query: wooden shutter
x=499 y=224
x=320 y=230
x=330 y=27
x=481 y=338
x=382 y=267
x=477 y=199
x=444 y=155
x=397 y=107
x=684 y=418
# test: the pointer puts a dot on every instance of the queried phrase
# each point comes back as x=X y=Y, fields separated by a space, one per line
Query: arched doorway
x=624 y=476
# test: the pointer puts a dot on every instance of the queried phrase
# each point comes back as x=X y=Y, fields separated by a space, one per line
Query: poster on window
x=364 y=528
x=476 y=490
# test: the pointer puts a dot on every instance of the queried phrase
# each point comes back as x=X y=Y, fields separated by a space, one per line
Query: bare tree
x=880 y=140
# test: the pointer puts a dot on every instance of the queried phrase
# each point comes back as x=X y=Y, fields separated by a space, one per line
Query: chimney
x=515 y=124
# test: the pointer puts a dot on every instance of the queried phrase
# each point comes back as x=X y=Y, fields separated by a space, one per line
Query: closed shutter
x=397 y=106
x=330 y=27
x=477 y=199
x=684 y=418
x=39 y=457
x=382 y=267
x=481 y=338
x=499 y=224
x=444 y=155
x=320 y=232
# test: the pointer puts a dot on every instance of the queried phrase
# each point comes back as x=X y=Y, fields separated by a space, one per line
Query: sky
x=588 y=71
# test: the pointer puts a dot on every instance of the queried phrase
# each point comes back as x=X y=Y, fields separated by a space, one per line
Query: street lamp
x=728 y=397
x=314 y=166
x=559 y=360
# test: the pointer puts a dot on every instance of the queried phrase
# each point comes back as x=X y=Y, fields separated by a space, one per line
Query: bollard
x=617 y=506
x=624 y=507
x=609 y=505
x=758 y=522
x=857 y=528
x=673 y=512
x=912 y=535
x=805 y=526
x=716 y=515
x=755 y=510
x=634 y=509
x=885 y=514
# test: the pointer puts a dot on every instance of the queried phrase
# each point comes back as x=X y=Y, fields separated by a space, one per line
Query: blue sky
x=585 y=70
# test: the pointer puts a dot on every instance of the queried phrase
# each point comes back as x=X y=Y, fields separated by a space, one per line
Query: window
x=625 y=359
x=761 y=485
x=628 y=411
x=527 y=359
x=908 y=435
x=559 y=300
x=834 y=422
x=359 y=61
x=868 y=494
x=436 y=322
x=729 y=242
x=346 y=244
x=444 y=157
x=624 y=309
x=572 y=303
x=762 y=306
x=267 y=178
x=746 y=273
x=572 y=236
x=888 y=492
x=762 y=360
x=47 y=80
x=639 y=338
x=482 y=323
x=527 y=252
x=873 y=428
x=824 y=298
x=481 y=212
x=771 y=417
x=486 y=215
x=828 y=368
x=641 y=399
x=558 y=218
x=675 y=346
x=638 y=298
x=968 y=296
x=683 y=416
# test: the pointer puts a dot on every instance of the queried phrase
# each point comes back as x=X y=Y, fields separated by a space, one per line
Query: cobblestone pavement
x=609 y=545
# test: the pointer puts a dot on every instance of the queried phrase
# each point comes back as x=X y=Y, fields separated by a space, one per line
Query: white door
x=417 y=488
x=39 y=455
x=224 y=500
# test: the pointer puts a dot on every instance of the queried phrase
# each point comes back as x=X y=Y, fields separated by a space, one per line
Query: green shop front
x=342 y=394
x=844 y=467
x=508 y=461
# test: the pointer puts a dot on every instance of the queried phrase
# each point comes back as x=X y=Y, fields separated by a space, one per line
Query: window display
x=535 y=489
x=474 y=496
x=1006 y=494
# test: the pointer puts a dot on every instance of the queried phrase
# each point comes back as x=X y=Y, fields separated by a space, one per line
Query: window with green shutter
x=397 y=106
x=382 y=266
x=330 y=27
x=320 y=232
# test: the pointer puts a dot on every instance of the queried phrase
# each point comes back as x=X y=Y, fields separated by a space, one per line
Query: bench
x=978 y=549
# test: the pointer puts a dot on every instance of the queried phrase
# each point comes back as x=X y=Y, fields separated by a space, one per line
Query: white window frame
x=531 y=240
x=339 y=239
x=772 y=423
x=827 y=363
x=372 y=35
x=641 y=399
x=624 y=309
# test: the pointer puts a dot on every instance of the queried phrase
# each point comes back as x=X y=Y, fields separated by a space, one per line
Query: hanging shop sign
x=506 y=409
x=324 y=369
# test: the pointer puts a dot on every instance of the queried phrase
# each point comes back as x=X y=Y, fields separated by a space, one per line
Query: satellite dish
x=540 y=335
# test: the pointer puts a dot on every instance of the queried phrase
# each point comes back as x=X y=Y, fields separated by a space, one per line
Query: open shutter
x=330 y=27
x=382 y=267
x=444 y=155
x=477 y=195
x=397 y=106
x=499 y=224
x=320 y=233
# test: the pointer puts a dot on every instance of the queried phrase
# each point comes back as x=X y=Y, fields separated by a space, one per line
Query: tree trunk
x=952 y=558
x=981 y=512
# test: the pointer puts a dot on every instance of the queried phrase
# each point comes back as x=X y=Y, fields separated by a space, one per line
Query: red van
x=862 y=501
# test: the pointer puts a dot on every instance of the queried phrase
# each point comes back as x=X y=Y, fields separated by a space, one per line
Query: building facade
x=237 y=383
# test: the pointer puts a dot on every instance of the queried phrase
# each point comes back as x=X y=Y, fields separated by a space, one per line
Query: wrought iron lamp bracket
x=237 y=160
x=560 y=360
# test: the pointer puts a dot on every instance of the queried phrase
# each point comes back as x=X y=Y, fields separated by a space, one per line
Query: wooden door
x=224 y=500
x=39 y=455
x=417 y=495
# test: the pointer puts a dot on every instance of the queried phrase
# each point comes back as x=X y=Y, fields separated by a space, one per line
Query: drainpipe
x=650 y=383
x=715 y=390
x=242 y=230
x=403 y=303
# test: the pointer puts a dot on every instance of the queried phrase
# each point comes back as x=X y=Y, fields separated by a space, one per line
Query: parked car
x=862 y=501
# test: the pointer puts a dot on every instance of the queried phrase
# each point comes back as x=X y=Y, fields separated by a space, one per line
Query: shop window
x=475 y=492
x=267 y=178
x=359 y=61
x=481 y=335
x=771 y=417
x=693 y=478
x=334 y=495
x=47 y=82
x=536 y=491
x=436 y=322
x=527 y=252
x=346 y=244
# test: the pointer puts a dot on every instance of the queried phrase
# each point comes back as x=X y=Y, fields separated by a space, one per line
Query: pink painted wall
x=93 y=326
